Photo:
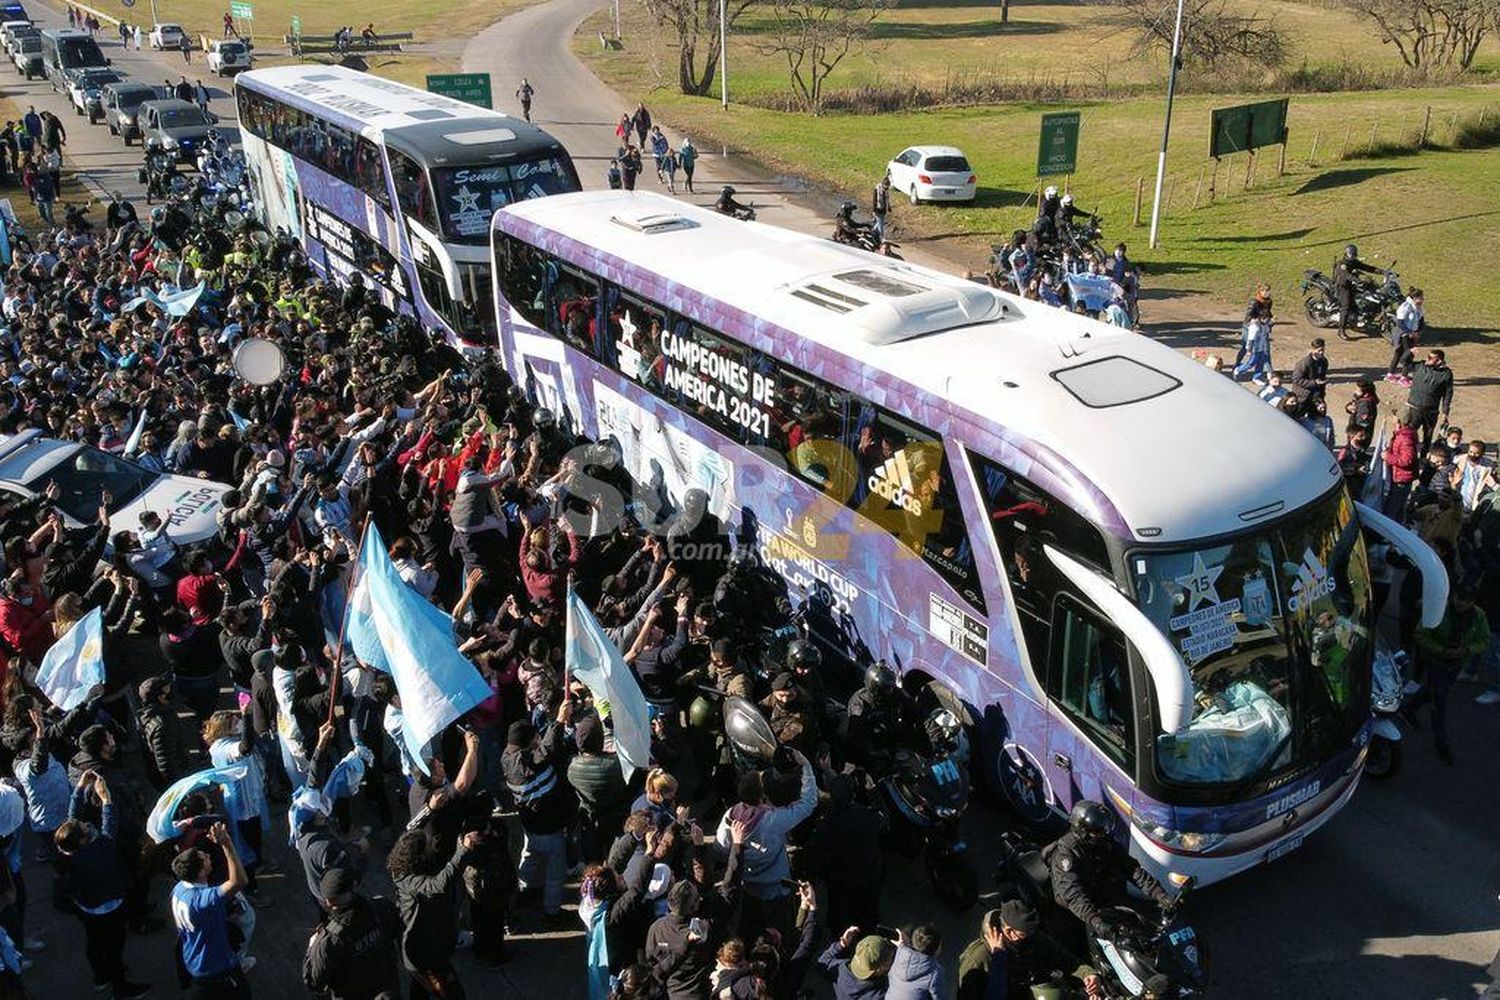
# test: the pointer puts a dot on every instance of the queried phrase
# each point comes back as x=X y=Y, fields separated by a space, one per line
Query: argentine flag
x=394 y=629
x=159 y=825
x=75 y=663
x=597 y=662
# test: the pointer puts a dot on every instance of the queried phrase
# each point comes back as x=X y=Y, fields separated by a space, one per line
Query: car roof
x=927 y=151
x=24 y=457
x=172 y=104
x=126 y=86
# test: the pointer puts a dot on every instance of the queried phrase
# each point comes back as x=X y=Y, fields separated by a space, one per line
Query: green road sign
x=242 y=9
x=296 y=26
x=471 y=87
x=1247 y=126
x=1057 y=153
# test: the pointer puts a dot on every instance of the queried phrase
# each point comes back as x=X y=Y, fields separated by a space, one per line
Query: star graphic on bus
x=468 y=201
x=1200 y=583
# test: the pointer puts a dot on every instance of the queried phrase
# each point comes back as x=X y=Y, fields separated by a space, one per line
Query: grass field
x=1410 y=208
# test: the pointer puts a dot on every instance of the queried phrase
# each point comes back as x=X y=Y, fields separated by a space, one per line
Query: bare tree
x=1431 y=34
x=815 y=37
x=1212 y=33
x=696 y=25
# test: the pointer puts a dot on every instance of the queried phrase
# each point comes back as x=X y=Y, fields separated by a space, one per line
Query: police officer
x=877 y=717
x=726 y=205
x=1346 y=272
x=1089 y=870
x=352 y=953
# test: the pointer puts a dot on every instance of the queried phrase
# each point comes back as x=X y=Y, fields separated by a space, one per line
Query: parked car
x=27 y=55
x=167 y=36
x=14 y=12
x=176 y=126
x=121 y=103
x=83 y=473
x=933 y=173
x=85 y=90
x=10 y=29
x=228 y=57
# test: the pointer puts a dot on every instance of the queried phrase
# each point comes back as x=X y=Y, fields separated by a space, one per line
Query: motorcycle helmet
x=880 y=678
x=741 y=560
x=727 y=191
x=1351 y=251
x=1090 y=820
x=802 y=657
x=1050 y=192
x=846 y=210
x=545 y=418
x=1067 y=199
x=701 y=714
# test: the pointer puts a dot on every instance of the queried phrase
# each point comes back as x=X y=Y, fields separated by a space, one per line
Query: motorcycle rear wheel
x=1383 y=760
x=954 y=878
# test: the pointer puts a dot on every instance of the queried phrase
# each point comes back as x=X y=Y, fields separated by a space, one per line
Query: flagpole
x=338 y=651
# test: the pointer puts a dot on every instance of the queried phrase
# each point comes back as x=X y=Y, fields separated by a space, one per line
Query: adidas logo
x=892 y=481
x=1313 y=582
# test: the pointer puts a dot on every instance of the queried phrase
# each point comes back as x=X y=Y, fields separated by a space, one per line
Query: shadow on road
x=1345 y=178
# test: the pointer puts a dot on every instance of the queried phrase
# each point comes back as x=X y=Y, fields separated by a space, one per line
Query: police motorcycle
x=1135 y=948
x=923 y=798
x=1374 y=302
x=1387 y=692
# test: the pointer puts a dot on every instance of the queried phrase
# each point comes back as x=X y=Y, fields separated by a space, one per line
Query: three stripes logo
x=1313 y=582
x=892 y=481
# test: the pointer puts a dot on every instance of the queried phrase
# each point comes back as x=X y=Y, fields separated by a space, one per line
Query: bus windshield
x=1276 y=629
x=468 y=197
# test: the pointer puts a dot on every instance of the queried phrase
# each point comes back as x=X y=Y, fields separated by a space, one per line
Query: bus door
x=1092 y=722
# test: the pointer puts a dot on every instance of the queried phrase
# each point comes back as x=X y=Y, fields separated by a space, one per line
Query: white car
x=167 y=36
x=933 y=173
x=226 y=58
x=29 y=461
x=86 y=90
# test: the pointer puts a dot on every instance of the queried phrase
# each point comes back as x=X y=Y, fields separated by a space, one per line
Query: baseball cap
x=873 y=952
x=337 y=883
x=1019 y=916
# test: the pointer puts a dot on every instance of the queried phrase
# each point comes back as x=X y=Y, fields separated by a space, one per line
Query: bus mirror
x=1422 y=556
x=1169 y=675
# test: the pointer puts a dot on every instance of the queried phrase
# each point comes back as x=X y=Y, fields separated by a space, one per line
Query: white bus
x=395 y=183
x=1146 y=586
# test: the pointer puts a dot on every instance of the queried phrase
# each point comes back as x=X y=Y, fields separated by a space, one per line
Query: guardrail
x=389 y=36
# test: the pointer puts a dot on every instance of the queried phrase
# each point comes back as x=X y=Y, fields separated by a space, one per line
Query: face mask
x=25 y=600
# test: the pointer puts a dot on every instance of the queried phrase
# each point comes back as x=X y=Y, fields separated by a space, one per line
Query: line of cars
x=71 y=60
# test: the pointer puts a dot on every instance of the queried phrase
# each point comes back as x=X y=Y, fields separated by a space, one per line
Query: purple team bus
x=393 y=183
x=1039 y=513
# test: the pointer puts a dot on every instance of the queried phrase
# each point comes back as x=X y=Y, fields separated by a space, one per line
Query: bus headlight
x=1179 y=841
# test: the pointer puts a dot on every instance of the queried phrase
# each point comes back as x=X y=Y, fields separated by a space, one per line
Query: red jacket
x=1401 y=455
x=25 y=629
x=546 y=586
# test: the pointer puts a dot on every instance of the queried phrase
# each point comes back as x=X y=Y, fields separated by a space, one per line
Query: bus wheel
x=1023 y=783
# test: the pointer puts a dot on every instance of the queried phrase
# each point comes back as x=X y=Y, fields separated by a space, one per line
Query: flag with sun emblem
x=75 y=663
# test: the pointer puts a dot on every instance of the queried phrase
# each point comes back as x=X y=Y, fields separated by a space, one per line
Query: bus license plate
x=1287 y=846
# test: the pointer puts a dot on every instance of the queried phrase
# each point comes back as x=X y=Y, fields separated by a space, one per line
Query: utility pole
x=1166 y=129
x=723 y=57
x=617 y=20
x=154 y=19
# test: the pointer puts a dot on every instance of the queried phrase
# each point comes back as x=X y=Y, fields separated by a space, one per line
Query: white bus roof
x=1182 y=452
x=371 y=99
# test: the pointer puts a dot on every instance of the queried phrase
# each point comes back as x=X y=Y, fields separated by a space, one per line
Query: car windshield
x=182 y=117
x=1276 y=629
x=947 y=164
x=469 y=196
x=85 y=473
x=129 y=100
x=79 y=52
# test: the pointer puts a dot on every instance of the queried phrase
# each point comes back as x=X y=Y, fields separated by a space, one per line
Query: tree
x=1431 y=34
x=815 y=37
x=696 y=24
x=1211 y=32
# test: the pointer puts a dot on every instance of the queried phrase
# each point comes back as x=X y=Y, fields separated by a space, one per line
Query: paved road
x=1394 y=899
x=103 y=161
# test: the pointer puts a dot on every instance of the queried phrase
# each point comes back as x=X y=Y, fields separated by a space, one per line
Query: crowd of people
x=628 y=163
x=229 y=707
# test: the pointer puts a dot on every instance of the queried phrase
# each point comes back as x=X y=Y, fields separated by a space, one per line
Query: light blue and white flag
x=75 y=663
x=133 y=443
x=342 y=782
x=395 y=630
x=159 y=825
x=597 y=662
x=1372 y=494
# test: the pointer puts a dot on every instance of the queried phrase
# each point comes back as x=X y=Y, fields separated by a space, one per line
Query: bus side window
x=572 y=306
x=808 y=428
x=412 y=192
x=632 y=341
x=520 y=267
x=369 y=172
x=1089 y=677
